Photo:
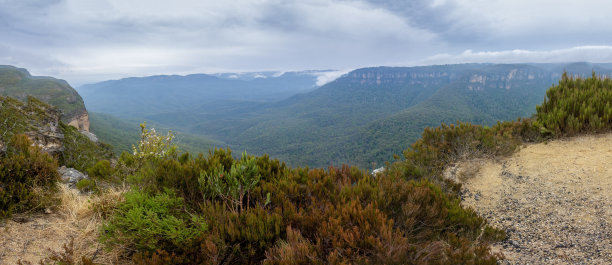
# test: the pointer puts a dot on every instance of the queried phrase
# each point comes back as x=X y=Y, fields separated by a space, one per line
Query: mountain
x=18 y=83
x=363 y=117
x=121 y=134
x=145 y=96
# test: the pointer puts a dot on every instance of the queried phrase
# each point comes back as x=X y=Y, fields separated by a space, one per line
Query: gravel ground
x=553 y=199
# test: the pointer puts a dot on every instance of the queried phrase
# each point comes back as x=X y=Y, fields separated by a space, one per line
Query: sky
x=86 y=41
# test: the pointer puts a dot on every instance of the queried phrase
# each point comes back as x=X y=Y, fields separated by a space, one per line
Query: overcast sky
x=92 y=40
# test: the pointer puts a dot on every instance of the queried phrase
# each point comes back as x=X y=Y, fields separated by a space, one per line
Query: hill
x=18 y=83
x=365 y=116
x=140 y=97
x=157 y=206
x=122 y=134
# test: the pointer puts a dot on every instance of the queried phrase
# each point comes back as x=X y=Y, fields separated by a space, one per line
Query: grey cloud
x=595 y=54
x=92 y=40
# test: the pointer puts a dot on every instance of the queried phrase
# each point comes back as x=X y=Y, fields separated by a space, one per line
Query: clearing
x=553 y=199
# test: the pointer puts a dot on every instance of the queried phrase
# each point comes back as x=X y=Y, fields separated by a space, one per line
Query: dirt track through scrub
x=553 y=199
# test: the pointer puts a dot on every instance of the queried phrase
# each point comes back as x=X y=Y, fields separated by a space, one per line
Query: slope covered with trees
x=19 y=84
x=218 y=209
x=369 y=114
x=140 y=97
x=121 y=134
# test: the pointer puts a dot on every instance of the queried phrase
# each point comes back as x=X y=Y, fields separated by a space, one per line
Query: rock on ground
x=70 y=175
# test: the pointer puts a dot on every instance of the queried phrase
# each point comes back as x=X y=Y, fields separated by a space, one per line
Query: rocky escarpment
x=19 y=84
x=36 y=119
x=81 y=121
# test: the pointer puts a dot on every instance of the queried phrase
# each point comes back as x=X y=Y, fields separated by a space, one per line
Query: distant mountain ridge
x=369 y=114
x=143 y=96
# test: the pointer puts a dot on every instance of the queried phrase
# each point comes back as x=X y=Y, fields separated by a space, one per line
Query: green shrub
x=447 y=144
x=27 y=177
x=259 y=211
x=147 y=222
x=86 y=185
x=152 y=144
x=102 y=170
x=233 y=186
x=577 y=105
x=80 y=152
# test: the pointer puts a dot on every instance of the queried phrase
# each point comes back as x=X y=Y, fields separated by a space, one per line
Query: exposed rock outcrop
x=36 y=119
x=81 y=122
x=71 y=175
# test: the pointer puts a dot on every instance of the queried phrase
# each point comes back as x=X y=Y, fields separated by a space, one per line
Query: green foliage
x=102 y=169
x=18 y=83
x=153 y=144
x=13 y=118
x=27 y=177
x=261 y=212
x=122 y=134
x=231 y=186
x=147 y=222
x=444 y=145
x=577 y=105
x=80 y=152
x=17 y=117
x=86 y=185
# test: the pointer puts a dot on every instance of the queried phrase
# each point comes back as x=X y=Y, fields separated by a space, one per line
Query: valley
x=362 y=118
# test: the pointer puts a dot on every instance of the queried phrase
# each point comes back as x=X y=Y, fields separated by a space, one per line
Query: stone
x=71 y=175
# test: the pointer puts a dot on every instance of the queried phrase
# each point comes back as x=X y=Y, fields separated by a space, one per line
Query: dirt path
x=553 y=199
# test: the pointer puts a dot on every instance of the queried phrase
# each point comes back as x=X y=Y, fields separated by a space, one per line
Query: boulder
x=71 y=175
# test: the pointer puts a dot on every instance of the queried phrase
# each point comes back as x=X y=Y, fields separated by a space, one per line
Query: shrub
x=258 y=211
x=27 y=177
x=153 y=144
x=233 y=186
x=147 y=222
x=86 y=185
x=577 y=105
x=447 y=144
x=102 y=170
x=80 y=152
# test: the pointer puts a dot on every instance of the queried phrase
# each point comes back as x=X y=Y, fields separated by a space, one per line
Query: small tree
x=153 y=144
x=233 y=186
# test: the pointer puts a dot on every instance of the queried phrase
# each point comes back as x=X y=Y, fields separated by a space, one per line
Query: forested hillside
x=122 y=134
x=214 y=208
x=369 y=114
x=140 y=97
x=18 y=83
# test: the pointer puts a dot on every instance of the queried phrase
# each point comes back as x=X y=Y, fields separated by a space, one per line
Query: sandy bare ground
x=30 y=238
x=553 y=199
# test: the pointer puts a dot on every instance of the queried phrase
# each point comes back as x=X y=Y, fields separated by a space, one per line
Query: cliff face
x=80 y=121
x=19 y=84
x=36 y=119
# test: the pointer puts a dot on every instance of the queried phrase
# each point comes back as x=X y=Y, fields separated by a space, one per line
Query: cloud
x=85 y=41
x=595 y=54
x=326 y=77
x=139 y=37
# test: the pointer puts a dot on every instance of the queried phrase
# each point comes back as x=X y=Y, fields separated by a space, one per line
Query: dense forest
x=362 y=118
x=214 y=208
